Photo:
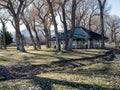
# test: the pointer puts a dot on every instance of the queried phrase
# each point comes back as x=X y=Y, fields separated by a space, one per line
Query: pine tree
x=6 y=37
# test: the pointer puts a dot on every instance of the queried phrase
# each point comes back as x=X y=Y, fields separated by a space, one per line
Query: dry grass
x=44 y=56
x=94 y=74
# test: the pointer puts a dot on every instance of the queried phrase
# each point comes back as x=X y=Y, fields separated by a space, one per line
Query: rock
x=5 y=73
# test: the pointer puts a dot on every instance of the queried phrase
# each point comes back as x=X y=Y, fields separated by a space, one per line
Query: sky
x=115 y=10
x=115 y=7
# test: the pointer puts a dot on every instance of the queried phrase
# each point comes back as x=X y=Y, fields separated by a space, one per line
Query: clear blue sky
x=115 y=7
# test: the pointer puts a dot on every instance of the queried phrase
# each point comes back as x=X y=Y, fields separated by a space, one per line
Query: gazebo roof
x=80 y=33
x=93 y=35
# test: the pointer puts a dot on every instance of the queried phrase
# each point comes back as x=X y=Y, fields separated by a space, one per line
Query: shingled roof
x=80 y=33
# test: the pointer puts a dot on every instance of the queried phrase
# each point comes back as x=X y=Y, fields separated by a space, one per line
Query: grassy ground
x=77 y=70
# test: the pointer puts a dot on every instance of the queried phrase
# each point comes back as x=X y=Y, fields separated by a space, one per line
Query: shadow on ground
x=26 y=70
x=47 y=84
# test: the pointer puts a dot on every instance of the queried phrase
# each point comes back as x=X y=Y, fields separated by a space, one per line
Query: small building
x=82 y=38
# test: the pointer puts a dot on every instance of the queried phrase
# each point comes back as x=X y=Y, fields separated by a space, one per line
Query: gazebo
x=82 y=38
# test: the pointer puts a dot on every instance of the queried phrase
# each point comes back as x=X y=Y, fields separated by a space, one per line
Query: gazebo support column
x=99 y=43
x=75 y=44
x=88 y=43
x=64 y=44
x=93 y=43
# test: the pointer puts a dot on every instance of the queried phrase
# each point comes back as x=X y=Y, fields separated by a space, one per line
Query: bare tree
x=113 y=23
x=102 y=7
x=33 y=26
x=93 y=11
x=50 y=4
x=3 y=30
x=29 y=18
x=43 y=14
x=26 y=20
x=15 y=8
x=81 y=11
x=63 y=19
x=73 y=15
x=95 y=24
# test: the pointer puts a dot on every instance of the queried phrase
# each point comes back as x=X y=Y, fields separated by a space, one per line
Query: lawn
x=79 y=69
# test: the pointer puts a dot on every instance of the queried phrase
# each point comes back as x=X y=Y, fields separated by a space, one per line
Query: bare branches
x=102 y=3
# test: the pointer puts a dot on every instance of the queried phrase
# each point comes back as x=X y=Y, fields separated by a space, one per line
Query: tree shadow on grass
x=63 y=64
x=47 y=84
x=43 y=57
x=64 y=60
x=94 y=66
x=4 y=59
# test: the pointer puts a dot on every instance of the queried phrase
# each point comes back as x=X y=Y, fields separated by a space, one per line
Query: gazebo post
x=99 y=43
x=88 y=43
x=93 y=43
x=0 y=43
x=75 y=44
x=63 y=44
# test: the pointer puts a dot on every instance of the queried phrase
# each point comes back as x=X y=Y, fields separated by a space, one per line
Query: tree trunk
x=112 y=36
x=115 y=40
x=4 y=36
x=58 y=47
x=65 y=27
x=17 y=41
x=32 y=38
x=73 y=25
x=90 y=19
x=37 y=38
x=29 y=30
x=19 y=36
x=49 y=34
x=102 y=6
x=102 y=28
x=0 y=42
x=47 y=37
x=47 y=42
